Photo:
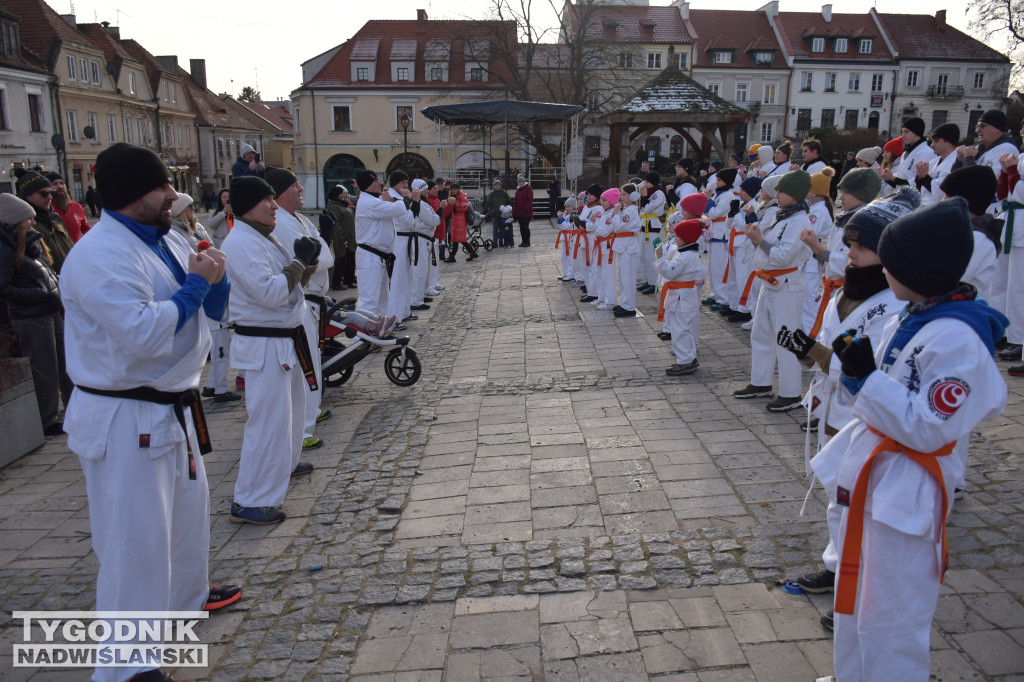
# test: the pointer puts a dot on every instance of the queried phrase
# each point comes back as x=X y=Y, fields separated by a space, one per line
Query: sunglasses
x=46 y=193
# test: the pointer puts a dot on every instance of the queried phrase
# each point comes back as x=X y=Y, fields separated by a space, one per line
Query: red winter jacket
x=458 y=215
x=74 y=219
x=522 y=203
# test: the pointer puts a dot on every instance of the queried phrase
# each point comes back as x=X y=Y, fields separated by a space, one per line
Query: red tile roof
x=277 y=115
x=25 y=59
x=920 y=36
x=112 y=50
x=745 y=32
x=631 y=23
x=209 y=109
x=800 y=27
x=42 y=29
x=154 y=67
x=386 y=33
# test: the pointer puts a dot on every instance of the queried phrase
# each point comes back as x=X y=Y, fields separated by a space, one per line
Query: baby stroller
x=401 y=365
x=474 y=229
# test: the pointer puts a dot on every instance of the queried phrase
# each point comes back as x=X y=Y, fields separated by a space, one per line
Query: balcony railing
x=944 y=92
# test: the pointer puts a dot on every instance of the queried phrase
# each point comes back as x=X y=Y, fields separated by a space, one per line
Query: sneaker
x=604 y=306
x=311 y=443
x=587 y=299
x=440 y=287
x=420 y=307
x=725 y=311
x=958 y=493
x=818 y=583
x=209 y=392
x=649 y=289
x=240 y=382
x=719 y=307
x=221 y=596
x=622 y=312
x=1001 y=343
x=257 y=516
x=324 y=416
x=410 y=318
x=813 y=426
x=433 y=292
x=303 y=468
x=397 y=328
x=665 y=336
x=1016 y=371
x=780 y=404
x=710 y=300
x=226 y=397
x=747 y=325
x=678 y=370
x=1011 y=352
x=54 y=429
x=427 y=299
x=737 y=316
x=641 y=287
x=829 y=621
x=752 y=391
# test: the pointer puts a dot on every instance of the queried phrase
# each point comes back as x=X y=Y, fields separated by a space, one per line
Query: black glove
x=734 y=207
x=858 y=358
x=306 y=250
x=840 y=343
x=796 y=341
x=327 y=224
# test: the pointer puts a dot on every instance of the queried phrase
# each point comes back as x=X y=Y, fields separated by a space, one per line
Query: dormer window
x=866 y=45
x=817 y=44
x=403 y=74
x=840 y=45
x=362 y=73
x=764 y=58
x=721 y=57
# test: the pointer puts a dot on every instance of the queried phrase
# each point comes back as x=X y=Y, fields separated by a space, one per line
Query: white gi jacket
x=685 y=266
x=785 y=251
x=938 y=169
x=627 y=220
x=908 y=162
x=291 y=227
x=375 y=221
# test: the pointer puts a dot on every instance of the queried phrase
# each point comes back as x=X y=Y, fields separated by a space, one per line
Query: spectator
x=93 y=200
x=522 y=209
x=70 y=212
x=37 y=190
x=495 y=200
x=247 y=163
x=339 y=204
x=554 y=192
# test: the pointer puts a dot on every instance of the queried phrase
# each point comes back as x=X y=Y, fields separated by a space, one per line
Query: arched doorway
x=873 y=120
x=339 y=168
x=413 y=164
x=675 y=147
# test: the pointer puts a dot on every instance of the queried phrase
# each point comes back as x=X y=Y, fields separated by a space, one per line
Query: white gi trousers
x=887 y=637
x=682 y=321
x=399 y=298
x=311 y=324
x=373 y=282
x=272 y=440
x=432 y=268
x=1005 y=292
x=645 y=270
x=580 y=267
x=774 y=309
x=625 y=262
x=220 y=357
x=739 y=272
x=420 y=271
x=718 y=256
x=568 y=263
x=605 y=276
x=150 y=525
x=812 y=294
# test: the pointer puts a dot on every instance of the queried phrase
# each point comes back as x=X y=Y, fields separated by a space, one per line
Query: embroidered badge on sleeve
x=945 y=396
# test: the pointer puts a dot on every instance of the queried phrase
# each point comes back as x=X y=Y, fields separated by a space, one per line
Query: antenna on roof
x=71 y=4
x=117 y=16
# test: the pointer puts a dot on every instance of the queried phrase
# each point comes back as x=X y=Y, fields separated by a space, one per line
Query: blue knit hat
x=751 y=185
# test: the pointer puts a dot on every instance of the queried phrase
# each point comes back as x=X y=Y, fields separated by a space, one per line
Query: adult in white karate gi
x=134 y=294
x=376 y=213
x=405 y=246
x=270 y=344
x=930 y=174
x=915 y=149
x=993 y=131
x=426 y=222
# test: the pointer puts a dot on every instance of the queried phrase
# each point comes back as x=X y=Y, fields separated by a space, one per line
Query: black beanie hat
x=976 y=184
x=247 y=191
x=595 y=190
x=125 y=172
x=928 y=250
x=950 y=132
x=727 y=175
x=279 y=179
x=686 y=164
x=996 y=119
x=29 y=182
x=364 y=179
x=751 y=185
x=653 y=178
x=54 y=176
x=915 y=125
x=866 y=225
x=397 y=177
x=336 y=192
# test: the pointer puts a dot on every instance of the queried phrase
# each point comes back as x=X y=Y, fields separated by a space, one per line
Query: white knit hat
x=180 y=204
x=768 y=186
x=869 y=155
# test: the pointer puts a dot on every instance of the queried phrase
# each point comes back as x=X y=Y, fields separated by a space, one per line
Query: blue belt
x=723 y=240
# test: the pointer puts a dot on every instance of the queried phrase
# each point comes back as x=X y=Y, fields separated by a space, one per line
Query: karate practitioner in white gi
x=376 y=213
x=134 y=295
x=404 y=247
x=426 y=222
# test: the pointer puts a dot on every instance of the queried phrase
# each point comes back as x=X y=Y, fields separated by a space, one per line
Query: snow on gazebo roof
x=674 y=91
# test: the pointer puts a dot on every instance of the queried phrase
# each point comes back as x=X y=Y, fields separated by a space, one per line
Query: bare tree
x=1001 y=19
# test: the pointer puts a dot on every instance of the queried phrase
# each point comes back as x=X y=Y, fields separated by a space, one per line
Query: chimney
x=684 y=8
x=421 y=15
x=940 y=19
x=198 y=69
x=170 y=62
x=826 y=12
x=70 y=18
x=114 y=31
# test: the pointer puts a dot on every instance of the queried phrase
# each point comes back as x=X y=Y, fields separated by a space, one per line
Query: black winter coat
x=30 y=290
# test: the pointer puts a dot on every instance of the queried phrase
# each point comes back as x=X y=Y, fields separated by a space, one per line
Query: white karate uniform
x=404 y=248
x=821 y=223
x=274 y=384
x=682 y=306
x=938 y=387
x=425 y=224
x=815 y=167
x=150 y=523
x=718 y=246
x=938 y=169
x=981 y=270
x=627 y=251
x=1006 y=291
x=288 y=229
x=645 y=270
x=604 y=271
x=778 y=304
x=375 y=227
x=565 y=245
x=590 y=215
x=907 y=169
x=740 y=260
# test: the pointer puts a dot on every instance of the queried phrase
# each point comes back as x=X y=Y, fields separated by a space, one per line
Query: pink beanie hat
x=611 y=195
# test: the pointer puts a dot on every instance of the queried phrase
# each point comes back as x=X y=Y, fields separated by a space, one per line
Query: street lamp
x=404 y=121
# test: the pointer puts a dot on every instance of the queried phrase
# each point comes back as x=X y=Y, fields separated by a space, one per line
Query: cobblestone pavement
x=543 y=505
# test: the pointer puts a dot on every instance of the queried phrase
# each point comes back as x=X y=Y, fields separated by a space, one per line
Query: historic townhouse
x=276 y=129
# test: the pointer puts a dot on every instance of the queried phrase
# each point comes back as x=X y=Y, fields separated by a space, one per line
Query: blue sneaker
x=257 y=516
x=302 y=469
x=710 y=300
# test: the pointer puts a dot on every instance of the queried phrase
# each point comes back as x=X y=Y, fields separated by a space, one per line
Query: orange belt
x=826 y=295
x=664 y=291
x=732 y=238
x=768 y=276
x=718 y=220
x=612 y=237
x=849 y=564
x=581 y=235
x=599 y=251
x=567 y=234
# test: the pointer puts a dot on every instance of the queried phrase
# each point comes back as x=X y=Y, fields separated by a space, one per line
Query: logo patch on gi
x=815 y=401
x=945 y=396
x=842 y=496
x=813 y=219
x=143 y=440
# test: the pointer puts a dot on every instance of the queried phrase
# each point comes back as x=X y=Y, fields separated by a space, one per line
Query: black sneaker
x=829 y=620
x=780 y=404
x=678 y=370
x=420 y=307
x=622 y=312
x=587 y=299
x=665 y=336
x=1012 y=351
x=752 y=391
x=710 y=300
x=725 y=311
x=226 y=397
x=209 y=392
x=428 y=299
x=737 y=316
x=818 y=583
x=813 y=426
x=221 y=596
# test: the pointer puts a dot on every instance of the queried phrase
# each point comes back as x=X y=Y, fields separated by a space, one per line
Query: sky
x=263 y=44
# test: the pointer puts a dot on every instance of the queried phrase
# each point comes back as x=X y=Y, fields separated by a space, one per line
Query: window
x=941 y=83
x=830 y=82
x=163 y=134
x=770 y=90
x=35 y=113
x=803 y=120
x=363 y=73
x=653 y=60
x=3 y=110
x=877 y=82
x=72 y=68
x=852 y=119
x=94 y=124
x=979 y=80
x=149 y=134
x=95 y=72
x=167 y=92
x=138 y=131
x=806 y=81
x=866 y=45
x=72 y=130
x=131 y=83
x=828 y=118
x=939 y=117
x=592 y=145
x=128 y=130
x=593 y=101
x=177 y=134
x=476 y=74
x=437 y=73
x=714 y=88
x=840 y=45
x=11 y=38
x=111 y=128
x=764 y=58
x=298 y=121
x=220 y=148
x=342 y=119
x=625 y=60
x=84 y=69
x=188 y=137
x=174 y=93
x=767 y=132
x=404 y=111
x=912 y=78
x=403 y=73
x=682 y=60
x=741 y=91
x=854 y=82
x=817 y=44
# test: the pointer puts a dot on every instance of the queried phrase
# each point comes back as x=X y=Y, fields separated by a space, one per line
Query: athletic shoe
x=678 y=370
x=780 y=404
x=710 y=300
x=587 y=299
x=439 y=287
x=752 y=391
x=747 y=325
x=427 y=299
x=725 y=311
x=221 y=596
x=649 y=289
x=1011 y=352
x=312 y=443
x=226 y=397
x=813 y=427
x=622 y=312
x=524 y=246
x=432 y=292
x=257 y=516
x=1016 y=371
x=240 y=382
x=641 y=287
x=209 y=392
x=829 y=621
x=397 y=328
x=818 y=583
x=1001 y=343
x=665 y=336
x=737 y=316
x=54 y=429
x=410 y=318
x=420 y=307
x=324 y=416
x=719 y=307
x=604 y=306
x=303 y=468
x=958 y=493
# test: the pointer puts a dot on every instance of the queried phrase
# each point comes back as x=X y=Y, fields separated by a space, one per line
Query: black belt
x=298 y=337
x=180 y=401
x=388 y=258
x=321 y=325
x=413 y=253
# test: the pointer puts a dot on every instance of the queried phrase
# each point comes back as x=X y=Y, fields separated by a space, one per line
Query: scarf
x=860 y=284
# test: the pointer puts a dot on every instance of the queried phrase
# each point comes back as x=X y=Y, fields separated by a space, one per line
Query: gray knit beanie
x=14 y=209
